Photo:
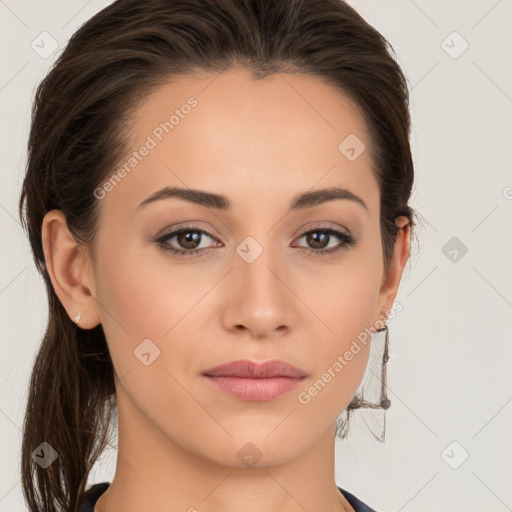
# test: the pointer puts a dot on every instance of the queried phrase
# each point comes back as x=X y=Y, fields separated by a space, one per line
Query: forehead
x=244 y=138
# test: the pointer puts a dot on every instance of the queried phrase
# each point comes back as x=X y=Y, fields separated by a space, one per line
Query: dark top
x=96 y=490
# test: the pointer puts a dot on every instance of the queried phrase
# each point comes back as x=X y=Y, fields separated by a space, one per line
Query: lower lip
x=256 y=389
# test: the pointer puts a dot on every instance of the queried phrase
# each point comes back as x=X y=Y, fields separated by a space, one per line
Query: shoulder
x=92 y=494
x=356 y=503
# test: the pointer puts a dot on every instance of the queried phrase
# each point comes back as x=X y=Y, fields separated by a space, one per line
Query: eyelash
x=347 y=240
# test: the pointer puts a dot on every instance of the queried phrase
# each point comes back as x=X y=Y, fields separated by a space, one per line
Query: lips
x=252 y=370
x=248 y=380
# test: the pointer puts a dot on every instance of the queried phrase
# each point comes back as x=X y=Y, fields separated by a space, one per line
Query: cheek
x=340 y=362
x=140 y=296
x=143 y=297
x=345 y=305
x=340 y=359
x=146 y=307
x=343 y=298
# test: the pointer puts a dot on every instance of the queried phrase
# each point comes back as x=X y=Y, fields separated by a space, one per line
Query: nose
x=259 y=297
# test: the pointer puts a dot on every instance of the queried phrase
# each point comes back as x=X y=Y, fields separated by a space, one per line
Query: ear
x=391 y=280
x=70 y=270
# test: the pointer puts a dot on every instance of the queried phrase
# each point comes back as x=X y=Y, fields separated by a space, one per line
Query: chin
x=255 y=448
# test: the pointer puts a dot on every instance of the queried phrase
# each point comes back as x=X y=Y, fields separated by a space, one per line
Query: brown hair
x=78 y=134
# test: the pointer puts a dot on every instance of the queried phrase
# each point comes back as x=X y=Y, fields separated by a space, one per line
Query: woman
x=217 y=198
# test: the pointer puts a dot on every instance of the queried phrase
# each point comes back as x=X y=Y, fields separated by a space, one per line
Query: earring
x=77 y=318
x=385 y=402
x=358 y=402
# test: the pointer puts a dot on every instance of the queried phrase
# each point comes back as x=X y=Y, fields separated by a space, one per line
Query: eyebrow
x=211 y=200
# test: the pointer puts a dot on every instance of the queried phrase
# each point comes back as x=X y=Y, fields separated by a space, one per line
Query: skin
x=259 y=143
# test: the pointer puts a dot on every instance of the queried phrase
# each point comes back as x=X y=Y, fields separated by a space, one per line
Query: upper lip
x=251 y=369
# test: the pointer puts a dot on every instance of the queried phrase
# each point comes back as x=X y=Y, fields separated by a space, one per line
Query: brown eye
x=188 y=241
x=319 y=238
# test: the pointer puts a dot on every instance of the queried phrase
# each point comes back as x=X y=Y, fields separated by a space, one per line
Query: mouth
x=248 y=380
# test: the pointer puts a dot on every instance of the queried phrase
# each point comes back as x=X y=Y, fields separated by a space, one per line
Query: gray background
x=449 y=372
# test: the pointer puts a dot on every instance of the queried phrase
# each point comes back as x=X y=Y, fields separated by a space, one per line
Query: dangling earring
x=358 y=402
x=385 y=402
x=77 y=318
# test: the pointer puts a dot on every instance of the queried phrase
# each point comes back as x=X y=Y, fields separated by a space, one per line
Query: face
x=256 y=274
